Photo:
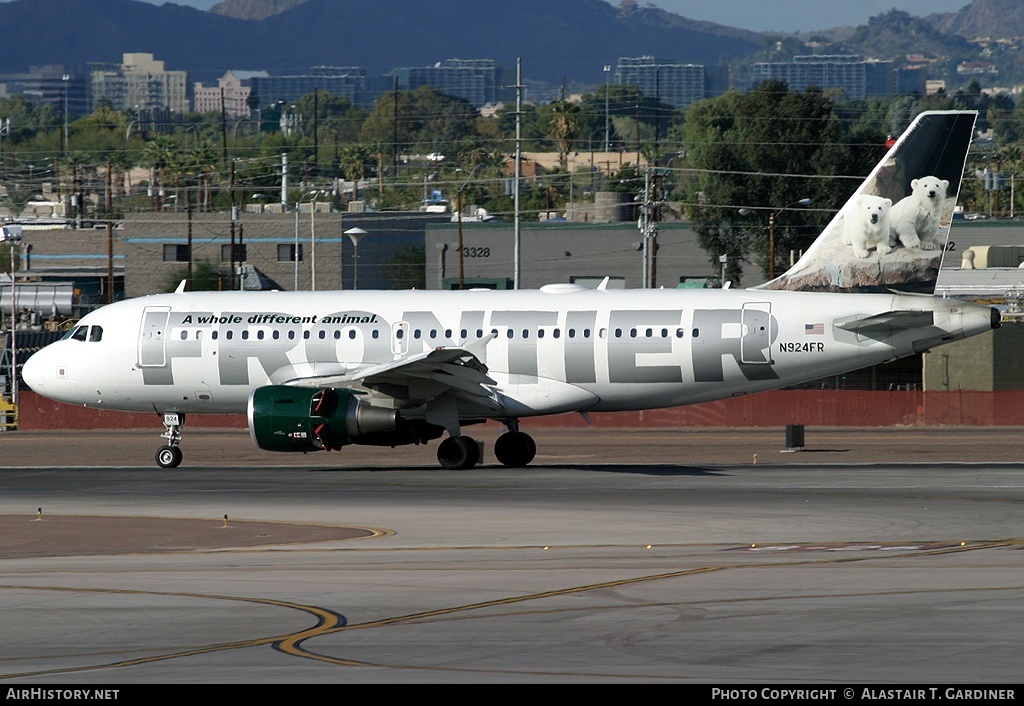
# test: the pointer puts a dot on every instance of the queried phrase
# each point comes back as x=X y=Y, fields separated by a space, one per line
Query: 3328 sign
x=476 y=252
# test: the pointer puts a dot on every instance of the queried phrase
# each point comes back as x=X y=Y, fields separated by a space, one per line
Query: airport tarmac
x=701 y=556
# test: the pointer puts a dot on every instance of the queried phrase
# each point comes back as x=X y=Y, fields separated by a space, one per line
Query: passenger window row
x=417 y=334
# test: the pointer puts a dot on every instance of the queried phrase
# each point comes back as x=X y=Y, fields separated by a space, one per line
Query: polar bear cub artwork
x=917 y=218
x=866 y=224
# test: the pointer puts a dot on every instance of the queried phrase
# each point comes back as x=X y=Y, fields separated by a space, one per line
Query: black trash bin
x=794 y=436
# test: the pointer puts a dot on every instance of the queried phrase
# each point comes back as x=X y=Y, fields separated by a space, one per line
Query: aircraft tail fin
x=892 y=231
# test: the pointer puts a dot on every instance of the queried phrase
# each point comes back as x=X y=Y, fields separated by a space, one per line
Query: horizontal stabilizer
x=889 y=321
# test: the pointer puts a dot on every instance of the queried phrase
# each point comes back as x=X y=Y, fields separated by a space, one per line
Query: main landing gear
x=170 y=456
x=513 y=448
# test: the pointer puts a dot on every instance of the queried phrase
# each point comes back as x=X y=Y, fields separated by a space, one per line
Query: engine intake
x=285 y=418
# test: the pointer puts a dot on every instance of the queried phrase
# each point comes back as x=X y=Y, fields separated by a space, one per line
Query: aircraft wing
x=458 y=371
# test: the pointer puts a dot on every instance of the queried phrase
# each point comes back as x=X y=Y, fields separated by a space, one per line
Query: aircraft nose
x=32 y=372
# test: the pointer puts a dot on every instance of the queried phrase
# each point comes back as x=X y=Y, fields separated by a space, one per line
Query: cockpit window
x=84 y=333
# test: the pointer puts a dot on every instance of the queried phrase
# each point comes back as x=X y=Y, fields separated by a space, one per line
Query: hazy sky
x=765 y=15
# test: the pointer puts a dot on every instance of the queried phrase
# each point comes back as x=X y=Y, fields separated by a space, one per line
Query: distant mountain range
x=253 y=9
x=567 y=41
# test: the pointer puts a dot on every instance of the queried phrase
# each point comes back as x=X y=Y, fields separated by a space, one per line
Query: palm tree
x=159 y=153
x=353 y=164
x=202 y=161
x=565 y=128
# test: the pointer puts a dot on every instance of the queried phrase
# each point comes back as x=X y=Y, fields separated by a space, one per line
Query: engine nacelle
x=286 y=418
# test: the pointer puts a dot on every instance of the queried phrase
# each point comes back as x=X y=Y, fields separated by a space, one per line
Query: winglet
x=892 y=231
x=181 y=287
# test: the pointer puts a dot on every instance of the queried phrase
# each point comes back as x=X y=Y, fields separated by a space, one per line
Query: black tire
x=457 y=453
x=515 y=448
x=168 y=456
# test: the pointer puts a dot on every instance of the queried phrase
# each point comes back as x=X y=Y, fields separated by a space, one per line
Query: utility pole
x=638 y=131
x=188 y=213
x=284 y=182
x=519 y=172
x=394 y=129
x=234 y=217
x=316 y=127
x=110 y=237
x=224 y=126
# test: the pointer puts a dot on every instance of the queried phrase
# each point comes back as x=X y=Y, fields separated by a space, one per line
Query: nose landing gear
x=170 y=456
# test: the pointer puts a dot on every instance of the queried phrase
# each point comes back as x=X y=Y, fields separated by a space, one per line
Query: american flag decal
x=814 y=329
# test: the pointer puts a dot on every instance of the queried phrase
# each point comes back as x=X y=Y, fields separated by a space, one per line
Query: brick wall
x=853 y=408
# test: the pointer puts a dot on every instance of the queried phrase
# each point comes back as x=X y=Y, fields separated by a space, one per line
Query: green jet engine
x=285 y=418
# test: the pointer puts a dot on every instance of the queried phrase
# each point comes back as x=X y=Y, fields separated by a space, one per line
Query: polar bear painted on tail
x=866 y=224
x=917 y=218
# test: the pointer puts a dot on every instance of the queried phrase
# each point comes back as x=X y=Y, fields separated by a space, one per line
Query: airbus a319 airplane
x=319 y=370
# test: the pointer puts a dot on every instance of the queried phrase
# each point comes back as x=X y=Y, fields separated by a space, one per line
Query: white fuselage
x=560 y=348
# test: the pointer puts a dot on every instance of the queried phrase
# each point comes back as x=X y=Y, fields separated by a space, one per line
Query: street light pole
x=355 y=235
x=295 y=252
x=607 y=120
x=312 y=245
x=64 y=146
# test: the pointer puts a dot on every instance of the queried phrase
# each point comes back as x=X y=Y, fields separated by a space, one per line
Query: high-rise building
x=140 y=82
x=475 y=80
x=666 y=80
x=63 y=87
x=231 y=94
x=347 y=81
x=858 y=78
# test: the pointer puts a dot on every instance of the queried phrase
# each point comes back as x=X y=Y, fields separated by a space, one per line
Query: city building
x=858 y=78
x=139 y=82
x=233 y=95
x=53 y=84
x=349 y=82
x=304 y=250
x=669 y=81
x=478 y=81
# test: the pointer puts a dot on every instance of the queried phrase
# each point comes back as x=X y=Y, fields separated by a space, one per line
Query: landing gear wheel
x=515 y=448
x=457 y=453
x=168 y=456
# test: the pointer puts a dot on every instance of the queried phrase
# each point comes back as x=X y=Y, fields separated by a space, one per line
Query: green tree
x=160 y=154
x=353 y=164
x=760 y=152
x=206 y=277
x=406 y=269
x=564 y=129
x=418 y=121
x=200 y=163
